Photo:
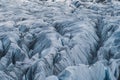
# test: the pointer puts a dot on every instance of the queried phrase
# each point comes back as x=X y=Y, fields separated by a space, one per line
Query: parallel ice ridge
x=59 y=40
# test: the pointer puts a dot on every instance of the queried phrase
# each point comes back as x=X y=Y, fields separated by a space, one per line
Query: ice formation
x=59 y=40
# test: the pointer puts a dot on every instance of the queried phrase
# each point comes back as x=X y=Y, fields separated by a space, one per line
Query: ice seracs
x=59 y=40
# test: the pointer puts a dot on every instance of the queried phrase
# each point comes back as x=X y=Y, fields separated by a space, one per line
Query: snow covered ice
x=59 y=40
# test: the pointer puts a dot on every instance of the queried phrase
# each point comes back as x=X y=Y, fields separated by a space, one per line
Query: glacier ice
x=59 y=40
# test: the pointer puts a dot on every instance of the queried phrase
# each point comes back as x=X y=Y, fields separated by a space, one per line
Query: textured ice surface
x=59 y=40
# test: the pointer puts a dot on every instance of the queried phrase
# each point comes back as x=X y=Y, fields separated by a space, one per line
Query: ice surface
x=59 y=40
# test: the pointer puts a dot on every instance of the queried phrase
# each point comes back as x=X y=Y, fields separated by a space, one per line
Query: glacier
x=59 y=40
